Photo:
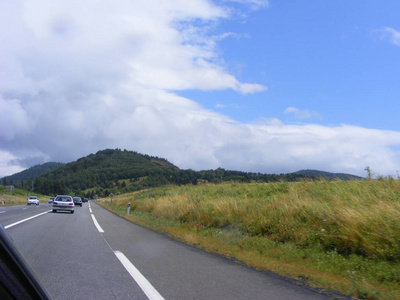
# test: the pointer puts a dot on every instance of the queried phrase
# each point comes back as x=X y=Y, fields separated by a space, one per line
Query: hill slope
x=104 y=170
x=124 y=171
x=328 y=175
x=33 y=172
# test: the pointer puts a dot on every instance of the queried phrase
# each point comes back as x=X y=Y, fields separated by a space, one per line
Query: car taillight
x=55 y=202
x=72 y=203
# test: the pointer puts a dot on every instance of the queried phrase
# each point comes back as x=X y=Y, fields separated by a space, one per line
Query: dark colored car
x=77 y=201
x=85 y=200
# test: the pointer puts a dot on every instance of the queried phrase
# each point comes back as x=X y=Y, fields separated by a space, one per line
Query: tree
x=369 y=173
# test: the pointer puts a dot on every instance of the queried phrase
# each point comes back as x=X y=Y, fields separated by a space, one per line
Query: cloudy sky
x=252 y=85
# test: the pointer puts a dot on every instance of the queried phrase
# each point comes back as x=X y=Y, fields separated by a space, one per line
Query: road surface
x=94 y=254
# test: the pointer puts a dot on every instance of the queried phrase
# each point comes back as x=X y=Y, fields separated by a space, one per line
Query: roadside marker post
x=111 y=196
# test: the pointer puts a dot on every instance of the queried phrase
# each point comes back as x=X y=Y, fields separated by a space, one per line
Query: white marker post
x=128 y=209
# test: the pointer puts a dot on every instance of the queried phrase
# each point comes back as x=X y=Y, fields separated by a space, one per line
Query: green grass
x=18 y=196
x=342 y=235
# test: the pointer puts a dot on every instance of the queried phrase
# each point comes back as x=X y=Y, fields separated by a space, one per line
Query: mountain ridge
x=328 y=175
x=32 y=172
x=120 y=171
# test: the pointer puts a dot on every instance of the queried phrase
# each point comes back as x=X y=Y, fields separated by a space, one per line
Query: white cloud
x=7 y=164
x=80 y=76
x=270 y=122
x=14 y=119
x=302 y=114
x=390 y=35
x=254 y=4
x=284 y=148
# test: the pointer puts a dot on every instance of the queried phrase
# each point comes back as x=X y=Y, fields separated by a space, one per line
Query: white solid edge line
x=97 y=224
x=144 y=284
x=24 y=220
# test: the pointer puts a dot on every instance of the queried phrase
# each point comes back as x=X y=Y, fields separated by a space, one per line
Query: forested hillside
x=328 y=175
x=121 y=171
x=32 y=172
x=104 y=171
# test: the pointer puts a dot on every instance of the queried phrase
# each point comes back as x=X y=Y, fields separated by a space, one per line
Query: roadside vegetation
x=18 y=196
x=121 y=171
x=340 y=235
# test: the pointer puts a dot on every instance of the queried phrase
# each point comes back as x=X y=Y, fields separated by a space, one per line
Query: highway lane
x=74 y=261
x=11 y=214
x=71 y=258
x=179 y=271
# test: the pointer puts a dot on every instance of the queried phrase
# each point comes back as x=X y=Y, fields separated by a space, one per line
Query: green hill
x=32 y=172
x=328 y=175
x=121 y=171
x=107 y=170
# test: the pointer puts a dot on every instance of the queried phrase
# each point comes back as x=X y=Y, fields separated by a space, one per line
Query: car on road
x=85 y=200
x=32 y=200
x=63 y=203
x=77 y=201
x=51 y=200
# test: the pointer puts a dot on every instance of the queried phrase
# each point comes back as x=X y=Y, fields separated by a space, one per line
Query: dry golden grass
x=336 y=234
x=19 y=199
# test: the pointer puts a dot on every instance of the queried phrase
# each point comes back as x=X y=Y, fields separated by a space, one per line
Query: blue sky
x=330 y=58
x=251 y=85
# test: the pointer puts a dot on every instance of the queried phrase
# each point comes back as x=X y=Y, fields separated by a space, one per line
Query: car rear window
x=64 y=199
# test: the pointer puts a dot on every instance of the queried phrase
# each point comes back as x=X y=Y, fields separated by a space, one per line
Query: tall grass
x=18 y=196
x=357 y=217
x=348 y=227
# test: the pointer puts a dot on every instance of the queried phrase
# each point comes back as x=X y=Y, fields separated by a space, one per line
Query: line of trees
x=120 y=171
x=106 y=182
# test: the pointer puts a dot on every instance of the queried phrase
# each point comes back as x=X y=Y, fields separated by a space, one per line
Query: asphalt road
x=94 y=254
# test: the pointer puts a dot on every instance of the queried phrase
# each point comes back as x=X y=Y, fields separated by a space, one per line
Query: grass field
x=18 y=197
x=341 y=235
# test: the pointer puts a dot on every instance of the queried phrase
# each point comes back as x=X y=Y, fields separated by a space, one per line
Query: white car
x=63 y=203
x=33 y=200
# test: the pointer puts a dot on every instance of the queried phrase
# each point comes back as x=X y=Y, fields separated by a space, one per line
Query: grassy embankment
x=335 y=234
x=18 y=197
